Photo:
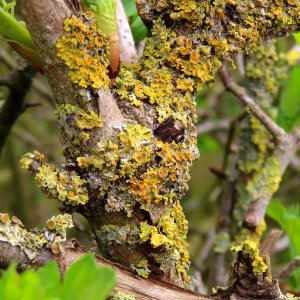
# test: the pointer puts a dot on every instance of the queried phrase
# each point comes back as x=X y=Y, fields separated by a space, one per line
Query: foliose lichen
x=66 y=186
x=84 y=49
x=51 y=237
x=250 y=248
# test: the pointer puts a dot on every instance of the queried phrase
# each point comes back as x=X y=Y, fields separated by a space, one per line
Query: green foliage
x=105 y=14
x=289 y=102
x=10 y=28
x=83 y=280
x=207 y=143
x=289 y=221
x=138 y=29
x=297 y=37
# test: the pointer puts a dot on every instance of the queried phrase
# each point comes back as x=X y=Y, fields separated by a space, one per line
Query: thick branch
x=143 y=289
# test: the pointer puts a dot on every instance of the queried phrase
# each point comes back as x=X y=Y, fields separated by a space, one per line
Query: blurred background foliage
x=36 y=129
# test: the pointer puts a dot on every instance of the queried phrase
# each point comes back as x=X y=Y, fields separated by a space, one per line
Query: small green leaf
x=297 y=37
x=207 y=144
x=138 y=29
x=276 y=211
x=31 y=286
x=84 y=280
x=13 y=30
x=130 y=7
x=10 y=284
x=288 y=221
x=50 y=279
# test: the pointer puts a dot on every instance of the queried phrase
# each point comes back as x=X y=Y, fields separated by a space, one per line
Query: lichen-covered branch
x=33 y=249
x=130 y=146
x=250 y=104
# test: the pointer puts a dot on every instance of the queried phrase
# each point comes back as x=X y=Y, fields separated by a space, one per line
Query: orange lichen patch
x=155 y=184
x=84 y=48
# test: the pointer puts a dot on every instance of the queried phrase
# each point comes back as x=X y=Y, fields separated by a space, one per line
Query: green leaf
x=138 y=29
x=276 y=211
x=289 y=104
x=31 y=286
x=50 y=279
x=294 y=280
x=288 y=221
x=85 y=281
x=130 y=7
x=13 y=30
x=207 y=144
x=297 y=37
x=10 y=284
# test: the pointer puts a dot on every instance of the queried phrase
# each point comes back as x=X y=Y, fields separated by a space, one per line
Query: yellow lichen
x=27 y=159
x=13 y=233
x=170 y=233
x=250 y=248
x=142 y=268
x=84 y=49
x=83 y=119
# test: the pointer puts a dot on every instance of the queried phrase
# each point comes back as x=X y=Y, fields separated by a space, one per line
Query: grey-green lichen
x=123 y=296
x=142 y=268
x=66 y=186
x=84 y=120
x=51 y=237
x=259 y=172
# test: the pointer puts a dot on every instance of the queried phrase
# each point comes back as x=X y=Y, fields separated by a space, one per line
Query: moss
x=84 y=49
x=258 y=172
x=250 y=248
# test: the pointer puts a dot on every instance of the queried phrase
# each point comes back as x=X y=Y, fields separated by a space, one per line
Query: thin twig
x=209 y=126
x=6 y=81
x=205 y=251
x=290 y=268
x=240 y=92
x=270 y=241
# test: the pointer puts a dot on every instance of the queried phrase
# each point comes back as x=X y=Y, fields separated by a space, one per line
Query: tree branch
x=128 y=53
x=241 y=93
x=209 y=126
x=127 y=281
x=19 y=83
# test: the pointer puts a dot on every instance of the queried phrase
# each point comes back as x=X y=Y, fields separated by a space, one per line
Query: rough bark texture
x=128 y=148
